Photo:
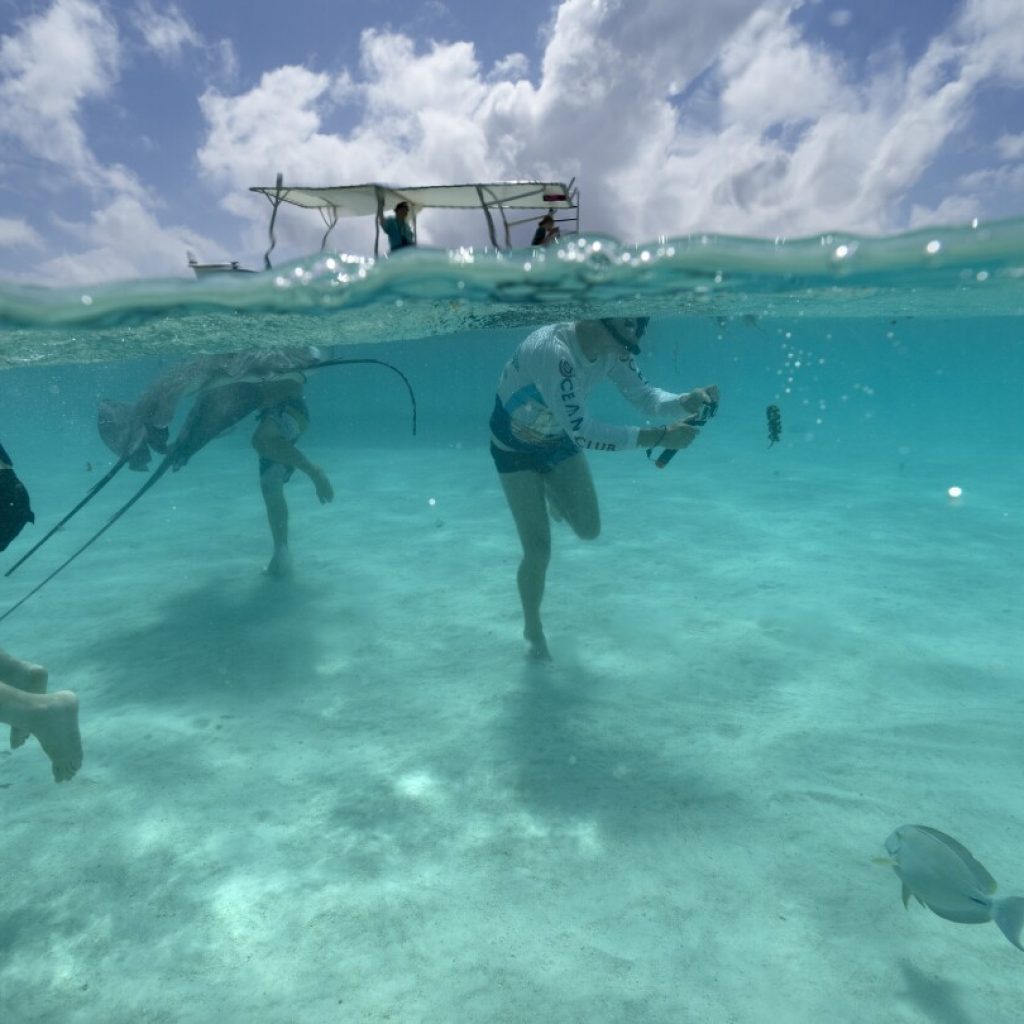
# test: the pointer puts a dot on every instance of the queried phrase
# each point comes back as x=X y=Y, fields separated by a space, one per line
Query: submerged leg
x=570 y=489
x=53 y=719
x=524 y=492
x=22 y=675
x=272 y=489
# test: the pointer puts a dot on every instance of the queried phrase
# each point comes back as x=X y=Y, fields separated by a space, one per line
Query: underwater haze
x=349 y=796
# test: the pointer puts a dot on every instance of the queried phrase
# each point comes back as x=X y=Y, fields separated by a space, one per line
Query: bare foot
x=537 y=646
x=30 y=678
x=55 y=725
x=280 y=566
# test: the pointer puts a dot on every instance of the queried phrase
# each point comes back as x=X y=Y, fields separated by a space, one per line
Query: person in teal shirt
x=397 y=227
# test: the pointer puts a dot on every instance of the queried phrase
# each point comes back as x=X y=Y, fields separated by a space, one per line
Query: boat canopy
x=373 y=198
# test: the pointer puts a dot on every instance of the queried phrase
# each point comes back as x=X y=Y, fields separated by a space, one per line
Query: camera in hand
x=698 y=419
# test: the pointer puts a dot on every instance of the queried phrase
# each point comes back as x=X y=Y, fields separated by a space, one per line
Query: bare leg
x=570 y=486
x=22 y=675
x=524 y=492
x=53 y=719
x=570 y=489
x=284 y=457
x=272 y=488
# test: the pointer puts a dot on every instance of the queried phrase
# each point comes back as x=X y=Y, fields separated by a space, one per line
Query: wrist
x=655 y=436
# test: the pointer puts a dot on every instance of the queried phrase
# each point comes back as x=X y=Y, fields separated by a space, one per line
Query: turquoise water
x=353 y=795
x=339 y=299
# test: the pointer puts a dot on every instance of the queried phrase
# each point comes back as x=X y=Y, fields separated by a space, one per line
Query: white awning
x=363 y=200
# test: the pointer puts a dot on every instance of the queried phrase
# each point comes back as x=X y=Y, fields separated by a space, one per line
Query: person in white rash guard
x=540 y=429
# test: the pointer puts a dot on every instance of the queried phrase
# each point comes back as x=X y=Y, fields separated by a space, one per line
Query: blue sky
x=130 y=131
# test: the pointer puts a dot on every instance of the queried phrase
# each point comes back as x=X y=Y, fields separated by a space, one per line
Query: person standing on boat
x=540 y=429
x=397 y=227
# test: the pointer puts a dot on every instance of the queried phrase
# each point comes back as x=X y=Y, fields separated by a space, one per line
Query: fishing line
x=94 y=490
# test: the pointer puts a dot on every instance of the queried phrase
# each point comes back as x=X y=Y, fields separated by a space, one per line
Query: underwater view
x=334 y=771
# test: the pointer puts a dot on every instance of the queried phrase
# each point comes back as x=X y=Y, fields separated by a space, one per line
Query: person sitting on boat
x=540 y=428
x=397 y=227
x=547 y=231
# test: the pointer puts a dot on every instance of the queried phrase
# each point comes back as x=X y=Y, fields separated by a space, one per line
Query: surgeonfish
x=941 y=874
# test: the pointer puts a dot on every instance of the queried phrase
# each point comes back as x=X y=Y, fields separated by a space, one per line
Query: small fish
x=942 y=875
x=774 y=424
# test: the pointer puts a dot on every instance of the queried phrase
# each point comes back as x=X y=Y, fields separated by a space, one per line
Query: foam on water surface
x=336 y=299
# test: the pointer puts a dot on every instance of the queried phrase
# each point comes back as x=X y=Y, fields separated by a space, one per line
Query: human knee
x=537 y=551
x=589 y=529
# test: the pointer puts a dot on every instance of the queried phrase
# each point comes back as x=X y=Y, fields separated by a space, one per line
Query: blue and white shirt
x=544 y=387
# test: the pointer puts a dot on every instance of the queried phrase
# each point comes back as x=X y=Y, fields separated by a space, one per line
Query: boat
x=496 y=199
x=206 y=269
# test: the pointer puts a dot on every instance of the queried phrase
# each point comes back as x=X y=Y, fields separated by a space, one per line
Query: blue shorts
x=292 y=418
x=535 y=458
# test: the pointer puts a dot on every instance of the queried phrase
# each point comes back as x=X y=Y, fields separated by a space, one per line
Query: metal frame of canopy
x=371 y=199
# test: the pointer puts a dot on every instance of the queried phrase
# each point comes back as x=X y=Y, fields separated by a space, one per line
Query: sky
x=131 y=130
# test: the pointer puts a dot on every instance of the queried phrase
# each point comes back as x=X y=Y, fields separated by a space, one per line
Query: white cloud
x=57 y=62
x=277 y=125
x=169 y=34
x=15 y=233
x=166 y=32
x=1011 y=147
x=728 y=120
x=125 y=240
x=798 y=145
x=512 y=66
x=52 y=67
x=434 y=114
x=990 y=36
x=953 y=210
x=224 y=56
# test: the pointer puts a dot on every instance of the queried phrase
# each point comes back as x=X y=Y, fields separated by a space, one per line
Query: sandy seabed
x=349 y=797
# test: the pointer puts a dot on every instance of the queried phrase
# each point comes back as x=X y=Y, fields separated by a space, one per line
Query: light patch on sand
x=587 y=837
x=238 y=903
x=420 y=786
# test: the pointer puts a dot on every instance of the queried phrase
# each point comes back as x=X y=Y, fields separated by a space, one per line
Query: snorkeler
x=283 y=419
x=540 y=429
x=267 y=383
x=229 y=388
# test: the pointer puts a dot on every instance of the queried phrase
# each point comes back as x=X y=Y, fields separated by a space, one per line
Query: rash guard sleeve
x=631 y=382
x=563 y=385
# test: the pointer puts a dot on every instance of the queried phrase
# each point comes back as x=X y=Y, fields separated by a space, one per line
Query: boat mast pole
x=275 y=203
x=380 y=217
x=487 y=214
